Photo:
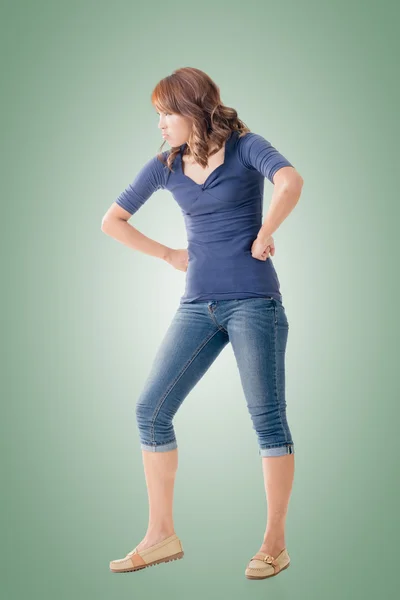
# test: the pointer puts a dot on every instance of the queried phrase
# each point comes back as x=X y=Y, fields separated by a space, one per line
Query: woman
x=215 y=171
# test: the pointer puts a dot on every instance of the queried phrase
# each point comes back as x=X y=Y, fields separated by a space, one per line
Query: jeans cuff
x=277 y=451
x=159 y=447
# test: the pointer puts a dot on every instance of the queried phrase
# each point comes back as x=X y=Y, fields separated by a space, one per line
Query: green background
x=83 y=315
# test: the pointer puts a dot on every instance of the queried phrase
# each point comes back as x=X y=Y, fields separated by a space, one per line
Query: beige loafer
x=168 y=549
x=264 y=565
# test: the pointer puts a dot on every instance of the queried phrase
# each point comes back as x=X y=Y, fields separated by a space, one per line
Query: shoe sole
x=155 y=562
x=266 y=576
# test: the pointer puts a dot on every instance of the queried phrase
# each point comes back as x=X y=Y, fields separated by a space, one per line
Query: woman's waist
x=224 y=246
x=232 y=259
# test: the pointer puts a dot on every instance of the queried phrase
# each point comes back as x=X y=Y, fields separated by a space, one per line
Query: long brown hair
x=192 y=93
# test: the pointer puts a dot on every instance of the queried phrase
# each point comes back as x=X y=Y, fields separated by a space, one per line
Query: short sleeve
x=255 y=152
x=150 y=178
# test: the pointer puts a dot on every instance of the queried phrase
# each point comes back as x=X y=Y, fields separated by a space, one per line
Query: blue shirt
x=222 y=217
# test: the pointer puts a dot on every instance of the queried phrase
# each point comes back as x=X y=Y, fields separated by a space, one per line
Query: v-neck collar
x=228 y=142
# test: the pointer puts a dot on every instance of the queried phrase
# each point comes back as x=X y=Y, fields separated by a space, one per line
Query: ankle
x=159 y=532
x=274 y=540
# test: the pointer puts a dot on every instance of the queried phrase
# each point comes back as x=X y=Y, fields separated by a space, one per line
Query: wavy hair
x=192 y=93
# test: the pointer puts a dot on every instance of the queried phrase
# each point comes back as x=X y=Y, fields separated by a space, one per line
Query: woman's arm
x=148 y=180
x=288 y=184
x=256 y=152
x=115 y=224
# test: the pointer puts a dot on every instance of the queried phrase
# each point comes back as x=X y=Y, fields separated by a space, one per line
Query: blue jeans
x=257 y=329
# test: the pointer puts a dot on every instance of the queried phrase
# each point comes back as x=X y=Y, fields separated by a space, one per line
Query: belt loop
x=275 y=304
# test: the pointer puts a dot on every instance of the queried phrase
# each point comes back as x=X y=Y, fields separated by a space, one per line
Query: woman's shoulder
x=248 y=137
x=251 y=143
x=245 y=143
x=154 y=169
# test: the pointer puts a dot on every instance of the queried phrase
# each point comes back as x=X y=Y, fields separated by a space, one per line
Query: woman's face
x=176 y=127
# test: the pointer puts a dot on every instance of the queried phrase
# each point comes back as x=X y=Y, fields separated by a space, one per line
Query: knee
x=151 y=419
x=144 y=414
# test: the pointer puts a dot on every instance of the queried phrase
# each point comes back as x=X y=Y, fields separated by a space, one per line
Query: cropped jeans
x=257 y=328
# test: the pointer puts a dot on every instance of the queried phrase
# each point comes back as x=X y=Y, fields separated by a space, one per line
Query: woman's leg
x=190 y=345
x=278 y=472
x=258 y=330
x=160 y=471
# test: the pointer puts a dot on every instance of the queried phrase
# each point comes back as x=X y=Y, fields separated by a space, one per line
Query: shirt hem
x=229 y=296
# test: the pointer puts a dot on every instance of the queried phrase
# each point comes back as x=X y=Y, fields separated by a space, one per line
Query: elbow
x=295 y=184
x=291 y=188
x=299 y=187
x=105 y=225
x=108 y=223
x=295 y=180
x=288 y=178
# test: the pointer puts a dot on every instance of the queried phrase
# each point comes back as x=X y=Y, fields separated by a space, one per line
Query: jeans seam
x=215 y=321
x=158 y=408
x=276 y=370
